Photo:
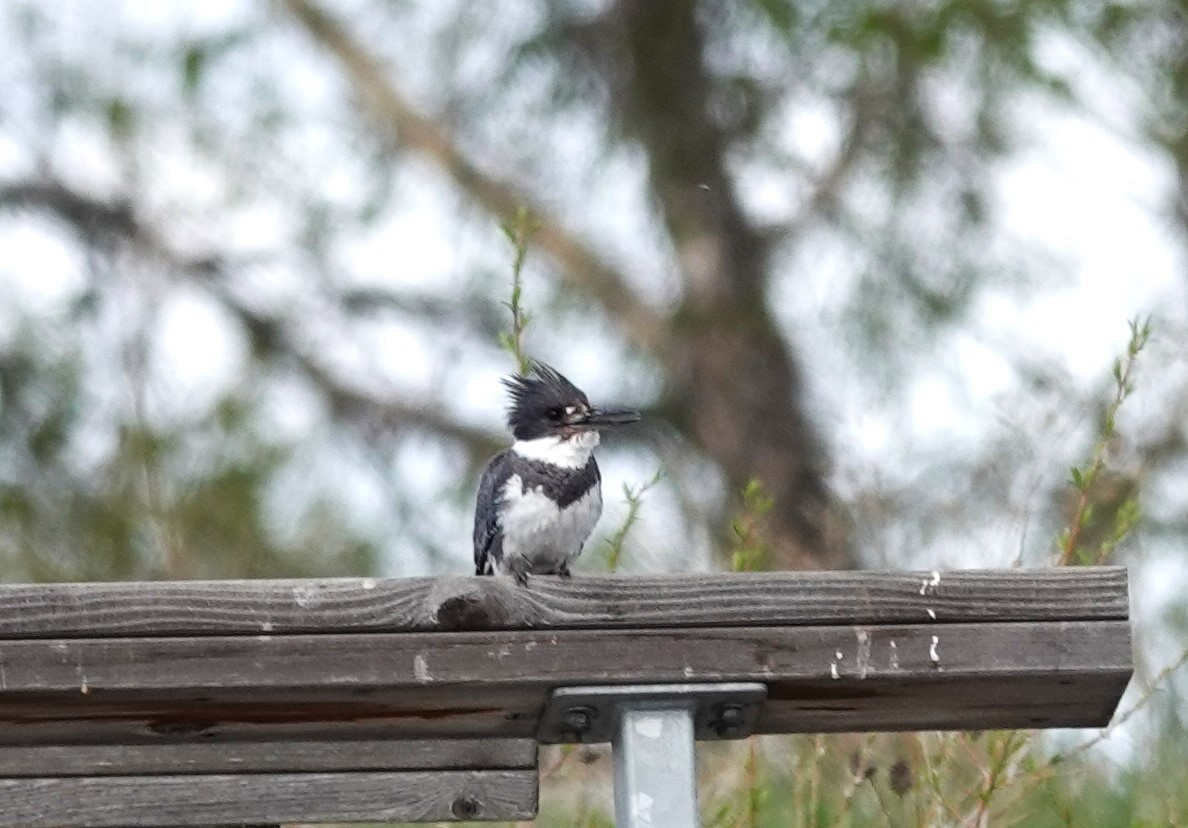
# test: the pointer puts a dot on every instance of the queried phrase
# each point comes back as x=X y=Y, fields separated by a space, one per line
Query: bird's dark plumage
x=537 y=400
x=488 y=538
x=539 y=500
x=563 y=486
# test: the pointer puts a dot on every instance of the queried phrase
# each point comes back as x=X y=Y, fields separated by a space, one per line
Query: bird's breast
x=536 y=526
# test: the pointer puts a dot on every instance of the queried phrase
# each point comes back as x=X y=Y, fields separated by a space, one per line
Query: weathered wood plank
x=467 y=603
x=252 y=715
x=415 y=796
x=350 y=665
x=277 y=756
x=988 y=703
x=996 y=703
x=492 y=684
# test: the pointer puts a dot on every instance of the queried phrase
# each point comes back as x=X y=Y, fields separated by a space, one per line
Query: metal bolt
x=577 y=720
x=729 y=721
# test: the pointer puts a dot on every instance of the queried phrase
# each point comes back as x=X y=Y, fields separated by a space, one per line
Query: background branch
x=580 y=267
x=109 y=222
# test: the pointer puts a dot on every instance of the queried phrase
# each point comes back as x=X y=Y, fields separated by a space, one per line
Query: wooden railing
x=198 y=703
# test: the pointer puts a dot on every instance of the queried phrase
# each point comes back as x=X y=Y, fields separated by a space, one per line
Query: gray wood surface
x=415 y=796
x=288 y=756
x=927 y=676
x=467 y=603
x=368 y=699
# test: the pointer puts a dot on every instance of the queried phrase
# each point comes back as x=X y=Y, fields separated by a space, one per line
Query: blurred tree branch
x=580 y=267
x=92 y=218
x=481 y=317
x=828 y=184
x=106 y=223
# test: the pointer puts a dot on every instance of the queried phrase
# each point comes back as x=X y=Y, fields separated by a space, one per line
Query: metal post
x=652 y=728
x=655 y=771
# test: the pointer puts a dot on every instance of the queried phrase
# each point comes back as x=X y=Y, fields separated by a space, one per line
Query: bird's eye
x=556 y=413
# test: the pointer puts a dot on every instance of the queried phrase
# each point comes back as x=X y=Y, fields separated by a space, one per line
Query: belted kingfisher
x=539 y=500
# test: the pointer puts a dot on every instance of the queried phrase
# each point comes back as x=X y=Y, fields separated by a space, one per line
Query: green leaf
x=782 y=14
x=121 y=118
x=193 y=64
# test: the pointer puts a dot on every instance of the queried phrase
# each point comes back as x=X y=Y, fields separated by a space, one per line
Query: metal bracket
x=590 y=714
x=652 y=729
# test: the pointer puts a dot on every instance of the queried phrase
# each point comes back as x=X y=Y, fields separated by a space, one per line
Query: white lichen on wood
x=837 y=655
x=862 y=659
x=930 y=584
x=421 y=669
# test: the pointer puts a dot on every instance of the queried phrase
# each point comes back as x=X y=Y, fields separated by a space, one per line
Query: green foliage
x=904 y=781
x=742 y=807
x=613 y=554
x=189 y=499
x=518 y=230
x=751 y=552
x=1125 y=512
x=193 y=64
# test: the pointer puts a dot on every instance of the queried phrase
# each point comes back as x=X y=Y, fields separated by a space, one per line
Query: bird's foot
x=519 y=571
x=563 y=572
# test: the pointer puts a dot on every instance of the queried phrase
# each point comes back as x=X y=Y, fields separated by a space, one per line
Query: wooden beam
x=372 y=699
x=356 y=605
x=494 y=684
x=416 y=796
x=277 y=756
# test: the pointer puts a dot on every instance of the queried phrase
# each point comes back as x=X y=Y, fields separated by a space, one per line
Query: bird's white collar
x=570 y=453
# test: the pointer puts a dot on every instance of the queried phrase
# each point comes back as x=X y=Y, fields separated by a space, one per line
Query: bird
x=538 y=500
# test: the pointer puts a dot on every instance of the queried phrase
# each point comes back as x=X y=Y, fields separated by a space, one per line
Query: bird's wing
x=488 y=537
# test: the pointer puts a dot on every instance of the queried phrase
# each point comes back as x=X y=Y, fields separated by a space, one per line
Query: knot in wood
x=472 y=604
x=466 y=807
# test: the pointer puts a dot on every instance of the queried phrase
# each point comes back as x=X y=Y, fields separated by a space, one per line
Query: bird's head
x=545 y=404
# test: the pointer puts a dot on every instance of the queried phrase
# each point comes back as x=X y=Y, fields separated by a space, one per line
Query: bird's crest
x=533 y=396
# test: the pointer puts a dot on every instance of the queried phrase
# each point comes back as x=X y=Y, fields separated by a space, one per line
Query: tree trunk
x=731 y=372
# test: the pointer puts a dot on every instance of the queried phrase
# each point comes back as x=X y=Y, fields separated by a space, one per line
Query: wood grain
x=461 y=664
x=276 y=756
x=493 y=684
x=468 y=603
x=418 y=699
x=415 y=796
x=997 y=702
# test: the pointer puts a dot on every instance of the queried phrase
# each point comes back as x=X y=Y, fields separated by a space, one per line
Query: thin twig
x=1122 y=718
x=1084 y=477
x=519 y=232
x=634 y=498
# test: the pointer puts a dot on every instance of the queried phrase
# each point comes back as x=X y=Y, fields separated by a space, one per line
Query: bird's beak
x=599 y=418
